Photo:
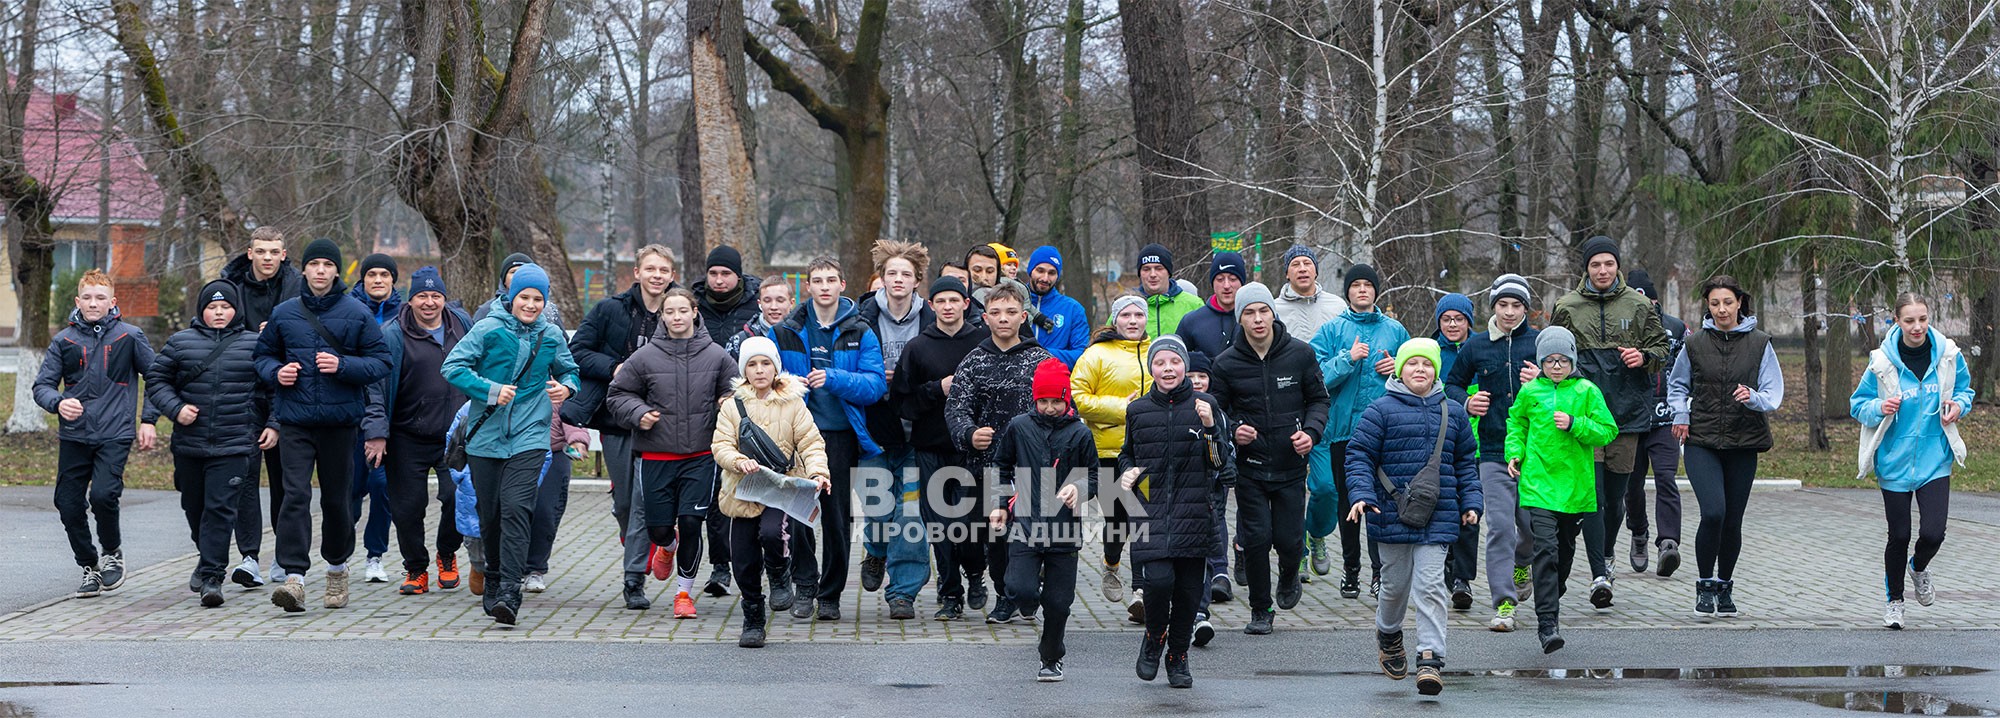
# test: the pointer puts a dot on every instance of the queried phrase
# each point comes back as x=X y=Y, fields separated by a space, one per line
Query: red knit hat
x=1052 y=380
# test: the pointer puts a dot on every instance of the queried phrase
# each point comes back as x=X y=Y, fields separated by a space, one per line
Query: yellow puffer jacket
x=784 y=416
x=1106 y=377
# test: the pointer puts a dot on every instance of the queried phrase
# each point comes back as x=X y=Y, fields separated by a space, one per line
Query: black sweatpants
x=1660 y=451
x=1350 y=531
x=1044 y=579
x=1173 y=588
x=1611 y=489
x=330 y=451
x=90 y=478
x=828 y=575
x=757 y=546
x=1933 y=499
x=209 y=487
x=551 y=500
x=679 y=495
x=1271 y=514
x=956 y=554
x=1721 y=480
x=506 y=491
x=410 y=463
x=1555 y=549
x=993 y=544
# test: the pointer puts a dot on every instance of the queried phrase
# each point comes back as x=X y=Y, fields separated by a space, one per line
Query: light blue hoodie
x=1914 y=448
x=1354 y=385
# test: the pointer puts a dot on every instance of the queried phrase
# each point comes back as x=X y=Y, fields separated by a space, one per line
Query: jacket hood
x=217 y=290
x=1940 y=345
x=1402 y=392
x=1495 y=333
x=848 y=309
x=881 y=300
x=1286 y=294
x=1617 y=287
x=238 y=271
x=394 y=301
x=76 y=320
x=681 y=347
x=785 y=387
x=1109 y=334
x=1054 y=422
x=1372 y=316
x=1749 y=323
x=323 y=302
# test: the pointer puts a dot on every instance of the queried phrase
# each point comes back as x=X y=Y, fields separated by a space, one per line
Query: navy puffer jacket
x=1183 y=464
x=1398 y=433
x=316 y=399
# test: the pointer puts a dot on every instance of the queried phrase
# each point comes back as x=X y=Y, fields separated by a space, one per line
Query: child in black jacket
x=1046 y=457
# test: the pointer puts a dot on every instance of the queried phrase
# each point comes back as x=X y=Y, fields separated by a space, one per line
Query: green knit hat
x=1420 y=347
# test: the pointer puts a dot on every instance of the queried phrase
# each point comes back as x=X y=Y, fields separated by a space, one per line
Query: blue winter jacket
x=1354 y=384
x=384 y=310
x=1915 y=450
x=316 y=399
x=490 y=356
x=1209 y=330
x=1492 y=363
x=1072 y=333
x=1397 y=434
x=854 y=373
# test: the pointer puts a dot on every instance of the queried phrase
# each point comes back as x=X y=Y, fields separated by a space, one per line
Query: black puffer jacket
x=604 y=340
x=1037 y=455
x=990 y=388
x=232 y=405
x=1277 y=394
x=1183 y=464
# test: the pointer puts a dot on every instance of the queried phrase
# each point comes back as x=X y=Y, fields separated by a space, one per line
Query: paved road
x=37 y=566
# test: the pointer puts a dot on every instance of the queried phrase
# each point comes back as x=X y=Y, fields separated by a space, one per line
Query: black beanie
x=1155 y=254
x=725 y=257
x=220 y=290
x=949 y=284
x=1640 y=280
x=321 y=248
x=1597 y=245
x=1358 y=273
x=380 y=261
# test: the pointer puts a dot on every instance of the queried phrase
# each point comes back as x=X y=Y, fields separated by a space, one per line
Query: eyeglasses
x=1557 y=361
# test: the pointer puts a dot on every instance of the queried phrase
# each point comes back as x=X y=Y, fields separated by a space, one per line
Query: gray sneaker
x=1639 y=559
x=1114 y=586
x=1926 y=593
x=1322 y=563
x=535 y=583
x=336 y=589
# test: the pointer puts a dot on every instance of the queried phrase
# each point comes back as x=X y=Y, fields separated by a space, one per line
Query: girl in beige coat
x=776 y=402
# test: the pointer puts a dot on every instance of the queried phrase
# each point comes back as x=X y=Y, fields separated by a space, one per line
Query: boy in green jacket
x=1556 y=422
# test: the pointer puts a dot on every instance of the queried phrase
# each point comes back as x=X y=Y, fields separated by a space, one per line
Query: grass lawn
x=31 y=459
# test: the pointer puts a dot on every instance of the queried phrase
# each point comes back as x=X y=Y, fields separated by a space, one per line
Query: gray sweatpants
x=1414 y=573
x=628 y=500
x=1507 y=545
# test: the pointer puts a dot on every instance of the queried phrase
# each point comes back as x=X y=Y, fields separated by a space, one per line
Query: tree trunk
x=1983 y=280
x=1068 y=152
x=1173 y=212
x=1839 y=369
x=1816 y=398
x=718 y=185
x=213 y=213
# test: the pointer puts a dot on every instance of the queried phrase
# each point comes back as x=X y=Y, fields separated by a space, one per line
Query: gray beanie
x=1509 y=285
x=1130 y=300
x=1254 y=293
x=1555 y=340
x=1166 y=343
x=1298 y=250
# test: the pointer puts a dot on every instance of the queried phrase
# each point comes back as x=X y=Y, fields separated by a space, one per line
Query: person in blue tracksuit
x=1071 y=333
x=1355 y=354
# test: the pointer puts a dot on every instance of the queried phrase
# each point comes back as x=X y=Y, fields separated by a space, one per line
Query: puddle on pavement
x=10 y=710
x=1676 y=674
x=1896 y=702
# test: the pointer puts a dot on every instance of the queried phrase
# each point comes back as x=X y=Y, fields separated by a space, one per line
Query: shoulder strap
x=533 y=352
x=313 y=318
x=1444 y=423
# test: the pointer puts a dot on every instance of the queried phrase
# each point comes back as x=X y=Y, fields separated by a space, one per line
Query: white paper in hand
x=798 y=498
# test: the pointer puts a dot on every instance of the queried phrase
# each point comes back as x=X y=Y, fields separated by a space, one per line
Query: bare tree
x=1174 y=207
x=718 y=183
x=30 y=237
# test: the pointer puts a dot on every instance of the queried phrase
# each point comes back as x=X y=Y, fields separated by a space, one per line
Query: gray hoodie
x=1303 y=315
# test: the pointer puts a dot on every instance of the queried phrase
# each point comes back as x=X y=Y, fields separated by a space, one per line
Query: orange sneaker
x=447 y=572
x=477 y=582
x=663 y=563
x=415 y=583
x=683 y=605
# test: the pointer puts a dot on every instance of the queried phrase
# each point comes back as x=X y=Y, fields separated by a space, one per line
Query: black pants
x=828 y=575
x=1173 y=587
x=1045 y=580
x=1350 y=531
x=957 y=555
x=90 y=478
x=1933 y=499
x=1555 y=549
x=757 y=546
x=273 y=467
x=410 y=463
x=1611 y=489
x=209 y=488
x=1271 y=515
x=1117 y=520
x=1721 y=480
x=1662 y=452
x=330 y=451
x=506 y=491
x=551 y=500
x=993 y=543
x=1461 y=560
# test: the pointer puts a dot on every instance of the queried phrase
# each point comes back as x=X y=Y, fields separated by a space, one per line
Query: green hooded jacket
x=1558 y=470
x=1164 y=311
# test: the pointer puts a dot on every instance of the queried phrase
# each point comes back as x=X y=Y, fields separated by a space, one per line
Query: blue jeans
x=374 y=484
x=908 y=551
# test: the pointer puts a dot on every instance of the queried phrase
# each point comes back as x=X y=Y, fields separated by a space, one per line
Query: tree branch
x=507 y=112
x=783 y=79
x=823 y=48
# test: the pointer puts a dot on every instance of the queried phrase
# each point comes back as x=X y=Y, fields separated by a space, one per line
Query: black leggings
x=1934 y=502
x=687 y=556
x=1350 y=531
x=1722 y=479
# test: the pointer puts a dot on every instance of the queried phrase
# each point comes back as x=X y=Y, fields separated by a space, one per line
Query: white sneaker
x=1892 y=617
x=1926 y=593
x=374 y=572
x=248 y=574
x=1114 y=585
x=534 y=583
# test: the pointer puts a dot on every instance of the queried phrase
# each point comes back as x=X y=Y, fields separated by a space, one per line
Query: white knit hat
x=754 y=347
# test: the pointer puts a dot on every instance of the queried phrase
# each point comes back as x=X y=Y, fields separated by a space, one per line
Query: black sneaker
x=902 y=609
x=1638 y=556
x=1551 y=637
x=873 y=570
x=1350 y=586
x=1003 y=611
x=1151 y=649
x=507 y=607
x=1461 y=595
x=752 y=637
x=1219 y=590
x=211 y=594
x=1725 y=599
x=1389 y=653
x=975 y=592
x=1260 y=622
x=1178 y=675
x=1289 y=592
x=829 y=610
x=1704 y=597
x=1670 y=557
x=93 y=583
x=802 y=607
x=111 y=570
x=1600 y=592
x=718 y=581
x=635 y=594
x=1375 y=586
x=1242 y=570
x=781 y=595
x=1050 y=673
x=949 y=609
